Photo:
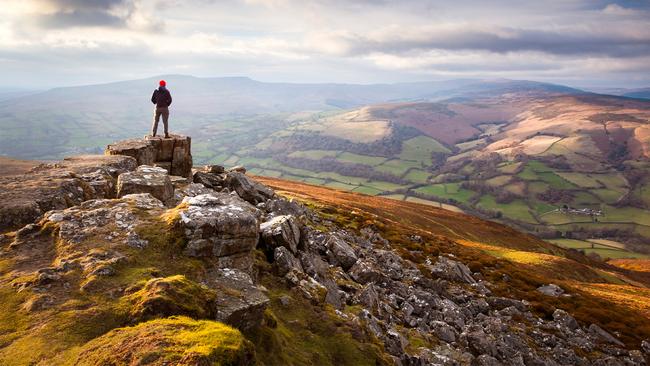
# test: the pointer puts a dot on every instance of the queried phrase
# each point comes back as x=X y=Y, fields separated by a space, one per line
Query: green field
x=516 y=210
x=397 y=167
x=580 y=179
x=347 y=157
x=417 y=176
x=420 y=148
x=604 y=251
x=626 y=214
x=447 y=191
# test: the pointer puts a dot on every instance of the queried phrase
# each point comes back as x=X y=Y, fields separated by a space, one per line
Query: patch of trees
x=618 y=154
x=500 y=194
x=554 y=195
x=558 y=162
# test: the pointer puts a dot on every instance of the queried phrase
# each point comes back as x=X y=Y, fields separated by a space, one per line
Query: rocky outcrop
x=221 y=226
x=146 y=179
x=248 y=189
x=280 y=231
x=240 y=302
x=152 y=263
x=173 y=154
x=24 y=198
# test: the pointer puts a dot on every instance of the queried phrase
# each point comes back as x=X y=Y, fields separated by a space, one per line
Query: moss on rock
x=175 y=340
x=174 y=295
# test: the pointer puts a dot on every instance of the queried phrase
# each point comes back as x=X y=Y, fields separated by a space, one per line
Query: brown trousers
x=164 y=112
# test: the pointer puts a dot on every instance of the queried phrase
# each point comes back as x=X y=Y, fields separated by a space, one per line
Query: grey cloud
x=85 y=13
x=80 y=18
x=506 y=40
x=66 y=5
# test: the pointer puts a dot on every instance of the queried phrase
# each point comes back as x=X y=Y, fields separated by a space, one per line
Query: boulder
x=214 y=169
x=238 y=169
x=143 y=151
x=365 y=271
x=443 y=331
x=281 y=231
x=146 y=179
x=209 y=180
x=565 y=319
x=603 y=335
x=239 y=302
x=221 y=226
x=369 y=298
x=551 y=290
x=173 y=154
x=285 y=262
x=645 y=346
x=248 y=189
x=452 y=270
x=340 y=252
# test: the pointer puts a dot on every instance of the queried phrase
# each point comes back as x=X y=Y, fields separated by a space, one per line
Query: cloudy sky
x=45 y=43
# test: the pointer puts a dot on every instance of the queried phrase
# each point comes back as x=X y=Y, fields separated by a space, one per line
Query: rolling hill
x=558 y=165
x=564 y=164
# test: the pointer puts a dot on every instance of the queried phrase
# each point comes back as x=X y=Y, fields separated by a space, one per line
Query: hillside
x=130 y=265
x=557 y=165
x=237 y=111
x=563 y=164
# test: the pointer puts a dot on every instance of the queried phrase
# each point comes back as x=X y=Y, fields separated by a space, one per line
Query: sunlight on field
x=637 y=298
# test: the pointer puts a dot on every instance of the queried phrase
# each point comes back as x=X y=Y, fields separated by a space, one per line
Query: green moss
x=174 y=295
x=306 y=334
x=175 y=340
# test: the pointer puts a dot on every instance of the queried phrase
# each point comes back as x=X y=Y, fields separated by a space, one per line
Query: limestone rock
x=222 y=226
x=551 y=290
x=341 y=252
x=565 y=319
x=24 y=198
x=141 y=150
x=645 y=346
x=146 y=179
x=209 y=180
x=247 y=188
x=281 y=231
x=173 y=154
x=285 y=262
x=214 y=169
x=602 y=334
x=452 y=270
x=239 y=302
x=237 y=169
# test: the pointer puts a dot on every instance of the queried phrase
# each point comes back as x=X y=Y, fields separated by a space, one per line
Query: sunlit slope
x=519 y=157
x=517 y=263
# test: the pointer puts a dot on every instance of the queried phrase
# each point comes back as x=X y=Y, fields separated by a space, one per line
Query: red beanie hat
x=162 y=83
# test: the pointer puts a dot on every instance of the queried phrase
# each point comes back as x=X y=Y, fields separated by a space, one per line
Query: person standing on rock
x=162 y=98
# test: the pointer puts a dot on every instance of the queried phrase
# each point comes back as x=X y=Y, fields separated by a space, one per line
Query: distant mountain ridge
x=64 y=121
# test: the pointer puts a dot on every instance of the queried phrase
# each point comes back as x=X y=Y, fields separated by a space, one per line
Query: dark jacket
x=161 y=97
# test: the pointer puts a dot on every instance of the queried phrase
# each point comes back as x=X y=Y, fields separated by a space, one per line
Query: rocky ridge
x=222 y=231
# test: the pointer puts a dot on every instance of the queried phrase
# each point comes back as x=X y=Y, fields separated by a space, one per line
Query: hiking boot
x=166 y=135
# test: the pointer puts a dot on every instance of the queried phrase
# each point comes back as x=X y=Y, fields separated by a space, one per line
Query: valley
x=557 y=162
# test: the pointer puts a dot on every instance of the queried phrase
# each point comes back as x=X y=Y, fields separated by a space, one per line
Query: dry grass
x=600 y=293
